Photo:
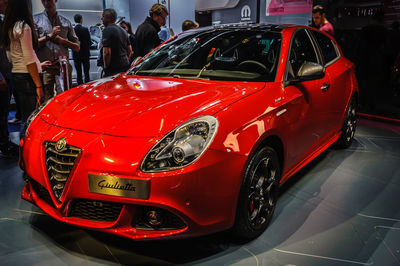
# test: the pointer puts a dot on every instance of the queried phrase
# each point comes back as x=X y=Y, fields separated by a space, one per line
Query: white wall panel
x=121 y=6
x=181 y=10
x=201 y=5
x=90 y=10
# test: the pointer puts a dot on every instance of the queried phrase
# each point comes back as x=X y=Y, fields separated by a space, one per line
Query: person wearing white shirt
x=20 y=40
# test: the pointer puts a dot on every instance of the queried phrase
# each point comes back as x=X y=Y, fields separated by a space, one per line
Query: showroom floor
x=342 y=210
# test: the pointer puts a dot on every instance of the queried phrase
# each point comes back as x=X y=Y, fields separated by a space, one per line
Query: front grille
x=41 y=192
x=169 y=220
x=102 y=211
x=59 y=163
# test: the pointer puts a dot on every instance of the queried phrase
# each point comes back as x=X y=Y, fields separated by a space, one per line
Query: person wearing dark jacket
x=81 y=58
x=147 y=33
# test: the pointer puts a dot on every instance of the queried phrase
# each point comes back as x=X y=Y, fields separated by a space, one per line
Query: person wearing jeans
x=19 y=38
x=7 y=148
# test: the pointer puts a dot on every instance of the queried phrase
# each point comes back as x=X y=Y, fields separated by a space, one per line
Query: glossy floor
x=342 y=210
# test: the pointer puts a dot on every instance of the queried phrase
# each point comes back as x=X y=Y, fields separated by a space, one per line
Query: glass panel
x=326 y=45
x=226 y=54
x=301 y=51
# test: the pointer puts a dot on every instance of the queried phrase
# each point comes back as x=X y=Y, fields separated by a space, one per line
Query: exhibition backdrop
x=274 y=11
x=134 y=11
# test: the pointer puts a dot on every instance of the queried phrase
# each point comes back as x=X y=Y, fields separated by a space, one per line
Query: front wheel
x=349 y=126
x=258 y=194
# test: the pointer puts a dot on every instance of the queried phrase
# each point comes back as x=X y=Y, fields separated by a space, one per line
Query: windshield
x=216 y=54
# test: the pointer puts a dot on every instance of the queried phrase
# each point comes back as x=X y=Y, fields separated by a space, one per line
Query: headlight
x=182 y=146
x=32 y=117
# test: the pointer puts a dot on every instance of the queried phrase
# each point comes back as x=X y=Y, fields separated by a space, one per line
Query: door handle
x=325 y=87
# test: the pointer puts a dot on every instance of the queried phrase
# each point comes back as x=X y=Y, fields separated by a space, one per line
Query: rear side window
x=327 y=46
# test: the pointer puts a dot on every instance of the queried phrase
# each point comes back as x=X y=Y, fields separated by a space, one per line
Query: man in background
x=147 y=33
x=7 y=148
x=319 y=17
x=56 y=35
x=116 y=45
x=81 y=58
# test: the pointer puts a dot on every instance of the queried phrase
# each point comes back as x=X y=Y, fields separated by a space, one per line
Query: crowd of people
x=32 y=48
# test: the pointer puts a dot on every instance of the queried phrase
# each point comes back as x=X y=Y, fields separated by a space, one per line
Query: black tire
x=349 y=126
x=258 y=194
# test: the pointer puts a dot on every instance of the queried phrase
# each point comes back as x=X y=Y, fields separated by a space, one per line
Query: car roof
x=246 y=26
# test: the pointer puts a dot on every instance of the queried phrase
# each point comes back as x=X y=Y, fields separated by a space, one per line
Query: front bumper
x=199 y=199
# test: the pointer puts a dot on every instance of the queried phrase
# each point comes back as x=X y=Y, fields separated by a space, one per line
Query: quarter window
x=301 y=51
x=327 y=47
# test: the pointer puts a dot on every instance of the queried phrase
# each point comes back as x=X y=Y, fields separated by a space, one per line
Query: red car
x=196 y=138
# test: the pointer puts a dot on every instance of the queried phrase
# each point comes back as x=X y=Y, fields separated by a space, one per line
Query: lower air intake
x=101 y=211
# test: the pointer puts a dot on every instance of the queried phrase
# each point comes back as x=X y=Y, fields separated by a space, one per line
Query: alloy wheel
x=262 y=196
x=351 y=122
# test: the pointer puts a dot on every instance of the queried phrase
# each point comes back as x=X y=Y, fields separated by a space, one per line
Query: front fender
x=247 y=123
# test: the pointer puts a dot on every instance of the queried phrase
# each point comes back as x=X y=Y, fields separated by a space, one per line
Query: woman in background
x=128 y=27
x=19 y=38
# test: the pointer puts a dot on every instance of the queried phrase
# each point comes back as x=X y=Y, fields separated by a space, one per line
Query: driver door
x=308 y=101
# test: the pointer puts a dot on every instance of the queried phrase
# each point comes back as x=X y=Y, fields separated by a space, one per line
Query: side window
x=327 y=46
x=301 y=51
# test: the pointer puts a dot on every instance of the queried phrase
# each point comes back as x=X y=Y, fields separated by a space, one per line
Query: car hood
x=141 y=106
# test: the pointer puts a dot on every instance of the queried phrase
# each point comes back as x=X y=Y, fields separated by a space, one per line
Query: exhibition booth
x=246 y=141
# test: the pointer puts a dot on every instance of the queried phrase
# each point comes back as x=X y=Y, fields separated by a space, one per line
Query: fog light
x=154 y=218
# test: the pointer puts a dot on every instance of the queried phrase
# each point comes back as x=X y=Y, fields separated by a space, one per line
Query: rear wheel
x=349 y=126
x=258 y=194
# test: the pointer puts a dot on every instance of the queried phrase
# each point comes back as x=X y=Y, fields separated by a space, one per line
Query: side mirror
x=310 y=71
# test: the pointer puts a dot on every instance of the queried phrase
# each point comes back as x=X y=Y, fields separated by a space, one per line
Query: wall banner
x=286 y=7
x=244 y=12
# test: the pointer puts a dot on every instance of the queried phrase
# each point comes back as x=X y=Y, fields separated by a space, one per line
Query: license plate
x=117 y=186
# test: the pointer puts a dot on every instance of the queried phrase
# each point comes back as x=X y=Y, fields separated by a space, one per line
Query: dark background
x=368 y=36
